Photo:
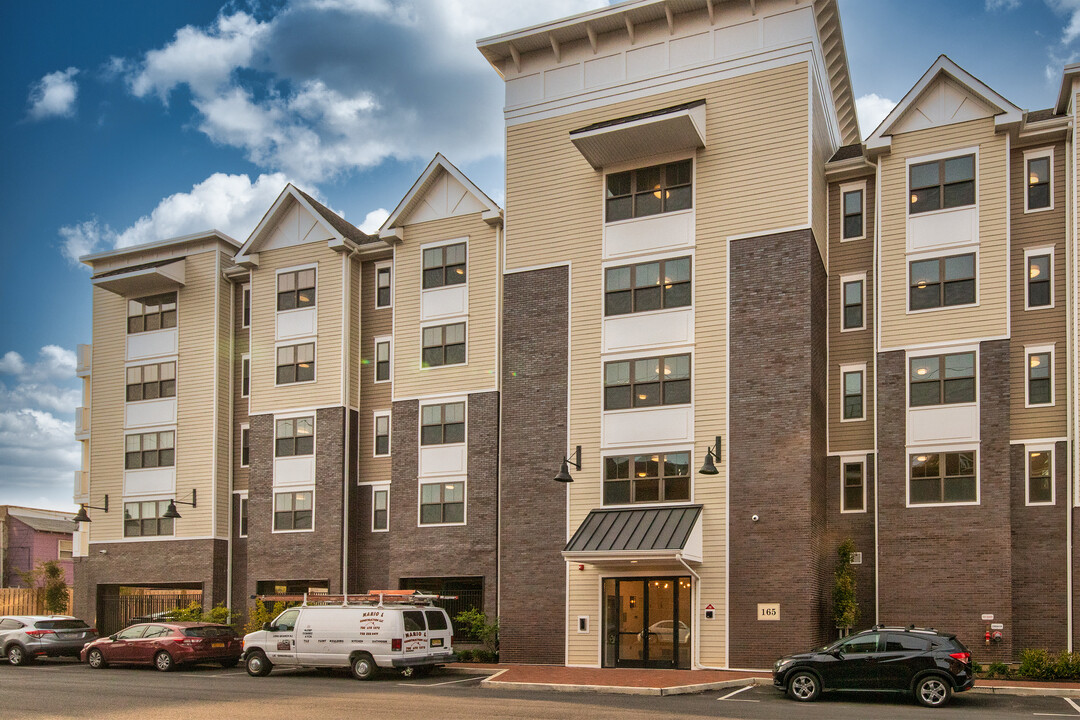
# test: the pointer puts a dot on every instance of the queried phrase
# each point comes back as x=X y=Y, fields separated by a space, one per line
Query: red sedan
x=166 y=645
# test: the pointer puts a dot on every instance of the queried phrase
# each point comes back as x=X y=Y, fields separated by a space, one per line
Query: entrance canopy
x=632 y=534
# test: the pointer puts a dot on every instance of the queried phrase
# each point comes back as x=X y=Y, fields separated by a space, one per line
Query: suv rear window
x=906 y=643
x=414 y=620
x=435 y=620
x=209 y=631
x=61 y=625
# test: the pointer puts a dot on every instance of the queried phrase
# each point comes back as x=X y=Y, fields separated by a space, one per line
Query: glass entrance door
x=647 y=622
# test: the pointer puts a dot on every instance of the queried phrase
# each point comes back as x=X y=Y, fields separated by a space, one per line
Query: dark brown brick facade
x=533 y=516
x=777 y=446
x=467 y=550
x=860 y=528
x=297 y=555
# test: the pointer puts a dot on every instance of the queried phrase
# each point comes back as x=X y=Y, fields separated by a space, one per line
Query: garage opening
x=121 y=605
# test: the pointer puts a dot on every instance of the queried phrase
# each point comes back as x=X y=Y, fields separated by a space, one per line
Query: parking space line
x=1074 y=705
x=736 y=692
x=448 y=682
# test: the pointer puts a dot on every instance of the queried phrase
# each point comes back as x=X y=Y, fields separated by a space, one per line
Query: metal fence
x=116 y=612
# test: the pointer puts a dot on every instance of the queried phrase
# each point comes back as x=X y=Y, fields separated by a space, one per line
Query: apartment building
x=743 y=334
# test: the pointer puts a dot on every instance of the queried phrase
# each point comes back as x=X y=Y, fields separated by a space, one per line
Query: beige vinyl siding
x=107 y=415
x=223 y=412
x=1046 y=326
x=410 y=380
x=853 y=347
x=326 y=390
x=823 y=149
x=241 y=345
x=988 y=318
x=353 y=309
x=751 y=177
x=375 y=322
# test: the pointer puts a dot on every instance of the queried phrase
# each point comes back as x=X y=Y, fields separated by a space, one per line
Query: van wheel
x=363 y=667
x=933 y=691
x=257 y=665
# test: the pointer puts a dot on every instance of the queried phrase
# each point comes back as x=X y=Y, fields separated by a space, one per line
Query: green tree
x=260 y=614
x=48 y=579
x=475 y=624
x=845 y=603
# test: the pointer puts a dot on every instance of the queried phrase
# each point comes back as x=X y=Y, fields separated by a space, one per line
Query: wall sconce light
x=170 y=512
x=564 y=473
x=708 y=467
x=82 y=517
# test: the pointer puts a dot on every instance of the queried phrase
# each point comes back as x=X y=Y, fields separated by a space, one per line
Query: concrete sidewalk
x=627 y=681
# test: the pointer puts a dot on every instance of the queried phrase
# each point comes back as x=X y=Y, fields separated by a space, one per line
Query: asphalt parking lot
x=64 y=689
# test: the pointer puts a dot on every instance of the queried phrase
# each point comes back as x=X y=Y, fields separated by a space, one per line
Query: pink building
x=29 y=536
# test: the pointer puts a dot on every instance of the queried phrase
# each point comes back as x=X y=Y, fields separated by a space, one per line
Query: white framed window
x=852 y=392
x=443 y=345
x=294 y=436
x=1039 y=277
x=383 y=359
x=651 y=190
x=295 y=364
x=853 y=484
x=943 y=476
x=384 y=284
x=853 y=211
x=245 y=375
x=445 y=263
x=294 y=511
x=242 y=510
x=146 y=518
x=380 y=508
x=154 y=312
x=852 y=302
x=943 y=181
x=1039 y=374
x=943 y=378
x=1038 y=180
x=245 y=308
x=940 y=282
x=442 y=503
x=442 y=424
x=63 y=549
x=1039 y=465
x=150 y=382
x=382 y=434
x=245 y=445
x=296 y=287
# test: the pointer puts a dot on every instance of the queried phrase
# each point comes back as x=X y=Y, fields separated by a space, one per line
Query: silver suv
x=25 y=638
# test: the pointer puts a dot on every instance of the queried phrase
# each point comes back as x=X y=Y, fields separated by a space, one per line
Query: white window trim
x=464 y=399
x=623 y=451
x=60 y=549
x=273 y=505
x=375 y=433
x=639 y=355
x=245 y=301
x=1028 y=254
x=146 y=497
x=440 y=323
x=852 y=187
x=1030 y=350
x=294 y=268
x=959 y=152
x=444 y=481
x=954 y=251
x=389 y=340
x=389 y=265
x=151 y=430
x=1047 y=152
x=293 y=416
x=641 y=164
x=844 y=279
x=175 y=359
x=968 y=447
x=380 y=487
x=436 y=244
x=1028 y=449
x=294 y=343
x=243 y=427
x=844 y=369
x=245 y=359
x=937 y=351
x=859 y=460
x=242 y=497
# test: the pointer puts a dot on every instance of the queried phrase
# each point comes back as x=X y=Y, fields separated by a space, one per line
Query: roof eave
x=1069 y=73
x=91 y=258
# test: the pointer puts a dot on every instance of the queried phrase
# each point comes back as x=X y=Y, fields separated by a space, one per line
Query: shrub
x=997 y=670
x=1037 y=664
x=475 y=624
x=1067 y=665
x=845 y=604
x=48 y=577
x=465 y=655
x=260 y=614
x=194 y=613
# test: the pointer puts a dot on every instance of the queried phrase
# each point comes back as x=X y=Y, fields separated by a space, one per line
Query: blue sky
x=125 y=121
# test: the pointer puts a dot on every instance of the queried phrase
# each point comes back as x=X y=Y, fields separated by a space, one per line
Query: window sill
x=648 y=313
x=943 y=308
x=968 y=404
x=849 y=330
x=1030 y=308
x=290 y=384
x=430 y=525
x=860 y=419
x=291 y=532
x=306 y=308
x=853 y=239
x=853 y=512
x=1037 y=210
x=1037 y=406
x=147 y=400
x=627 y=221
x=441 y=367
x=647 y=408
x=657 y=503
x=1040 y=504
x=941 y=211
x=911 y=505
x=143 y=333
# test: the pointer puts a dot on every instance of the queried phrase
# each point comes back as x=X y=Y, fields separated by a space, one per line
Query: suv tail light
x=39 y=633
x=395 y=644
x=964 y=657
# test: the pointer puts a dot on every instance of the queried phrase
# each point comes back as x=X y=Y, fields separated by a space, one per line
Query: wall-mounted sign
x=988 y=616
x=997 y=626
x=768 y=611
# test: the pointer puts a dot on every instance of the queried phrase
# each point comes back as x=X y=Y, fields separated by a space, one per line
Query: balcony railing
x=82 y=486
x=82 y=423
x=84 y=358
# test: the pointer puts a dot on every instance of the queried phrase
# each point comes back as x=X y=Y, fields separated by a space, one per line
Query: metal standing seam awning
x=654 y=533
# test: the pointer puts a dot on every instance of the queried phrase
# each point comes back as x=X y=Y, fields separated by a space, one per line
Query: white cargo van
x=390 y=629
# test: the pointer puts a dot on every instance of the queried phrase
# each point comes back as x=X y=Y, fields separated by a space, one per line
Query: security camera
x=106 y=552
x=755 y=518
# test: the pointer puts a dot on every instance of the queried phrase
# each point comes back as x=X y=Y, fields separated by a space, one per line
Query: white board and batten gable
x=297 y=227
x=441 y=191
x=946 y=94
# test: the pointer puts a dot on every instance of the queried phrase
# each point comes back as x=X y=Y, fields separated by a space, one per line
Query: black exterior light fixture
x=82 y=517
x=708 y=467
x=564 y=473
x=170 y=512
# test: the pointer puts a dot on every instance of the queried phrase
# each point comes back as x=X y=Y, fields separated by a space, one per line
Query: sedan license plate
x=436 y=642
x=217 y=645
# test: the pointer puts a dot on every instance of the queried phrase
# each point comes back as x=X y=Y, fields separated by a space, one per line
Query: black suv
x=929 y=664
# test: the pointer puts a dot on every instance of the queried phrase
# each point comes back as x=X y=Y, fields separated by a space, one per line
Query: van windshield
x=414 y=620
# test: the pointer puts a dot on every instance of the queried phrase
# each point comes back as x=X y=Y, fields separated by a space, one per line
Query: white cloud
x=995 y=5
x=374 y=220
x=872 y=109
x=83 y=238
x=1071 y=9
x=54 y=95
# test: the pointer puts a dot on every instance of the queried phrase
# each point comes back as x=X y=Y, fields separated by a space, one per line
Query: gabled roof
x=45 y=524
x=334 y=224
x=439 y=164
x=1006 y=114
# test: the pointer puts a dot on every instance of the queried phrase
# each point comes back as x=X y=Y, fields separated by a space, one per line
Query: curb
x=1020 y=690
x=492 y=682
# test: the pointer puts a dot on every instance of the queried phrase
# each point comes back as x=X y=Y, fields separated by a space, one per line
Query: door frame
x=677 y=615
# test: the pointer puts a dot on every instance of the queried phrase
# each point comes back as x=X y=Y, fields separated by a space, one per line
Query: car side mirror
x=113 y=637
x=268 y=627
x=838 y=654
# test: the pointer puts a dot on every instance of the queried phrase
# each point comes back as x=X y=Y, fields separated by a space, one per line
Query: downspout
x=232 y=429
x=695 y=621
x=346 y=328
x=1071 y=382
